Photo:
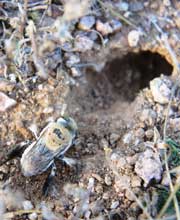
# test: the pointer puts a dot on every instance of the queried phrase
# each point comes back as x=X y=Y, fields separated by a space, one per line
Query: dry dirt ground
x=105 y=86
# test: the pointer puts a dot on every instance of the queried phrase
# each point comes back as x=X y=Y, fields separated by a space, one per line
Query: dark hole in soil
x=133 y=72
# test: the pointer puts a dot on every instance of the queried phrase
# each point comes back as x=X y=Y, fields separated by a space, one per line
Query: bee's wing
x=53 y=142
x=36 y=158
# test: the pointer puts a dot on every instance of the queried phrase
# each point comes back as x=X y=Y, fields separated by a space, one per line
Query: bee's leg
x=69 y=161
x=15 y=152
x=49 y=180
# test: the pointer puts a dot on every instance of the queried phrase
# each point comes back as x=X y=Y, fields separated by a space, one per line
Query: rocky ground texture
x=114 y=67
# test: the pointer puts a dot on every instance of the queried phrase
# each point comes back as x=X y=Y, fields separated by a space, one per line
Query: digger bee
x=55 y=139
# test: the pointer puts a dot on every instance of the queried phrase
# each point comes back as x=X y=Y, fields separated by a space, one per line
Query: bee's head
x=68 y=123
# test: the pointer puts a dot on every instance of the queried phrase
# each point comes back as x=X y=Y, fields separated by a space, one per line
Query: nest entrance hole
x=133 y=72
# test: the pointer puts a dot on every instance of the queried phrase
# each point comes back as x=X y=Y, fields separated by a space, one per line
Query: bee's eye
x=57 y=132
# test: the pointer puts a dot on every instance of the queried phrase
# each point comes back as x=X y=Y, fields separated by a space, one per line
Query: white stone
x=167 y=3
x=86 y=22
x=128 y=138
x=133 y=38
x=161 y=89
x=114 y=204
x=6 y=102
x=33 y=216
x=122 y=183
x=149 y=166
x=27 y=205
x=122 y=6
x=83 y=43
x=103 y=28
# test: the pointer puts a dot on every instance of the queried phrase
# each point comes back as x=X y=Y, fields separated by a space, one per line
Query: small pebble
x=122 y=6
x=129 y=195
x=83 y=43
x=87 y=214
x=128 y=138
x=133 y=38
x=86 y=23
x=140 y=133
x=149 y=166
x=115 y=157
x=113 y=138
x=6 y=102
x=165 y=180
x=103 y=28
x=48 y=110
x=12 y=77
x=175 y=124
x=27 y=205
x=122 y=183
x=75 y=72
x=167 y=3
x=136 y=6
x=135 y=181
x=99 y=189
x=4 y=169
x=71 y=59
x=6 y=85
x=108 y=180
x=1 y=176
x=104 y=143
x=149 y=134
x=148 y=116
x=33 y=216
x=116 y=25
x=114 y=204
x=97 y=177
x=96 y=206
x=121 y=163
x=161 y=89
x=106 y=196
x=177 y=20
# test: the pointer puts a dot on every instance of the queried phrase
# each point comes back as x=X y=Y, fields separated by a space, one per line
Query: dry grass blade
x=10 y=215
x=116 y=14
x=37 y=61
x=163 y=210
x=164 y=41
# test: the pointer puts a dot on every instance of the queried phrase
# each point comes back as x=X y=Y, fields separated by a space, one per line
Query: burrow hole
x=120 y=81
x=134 y=71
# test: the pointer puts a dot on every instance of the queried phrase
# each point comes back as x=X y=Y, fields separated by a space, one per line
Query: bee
x=54 y=140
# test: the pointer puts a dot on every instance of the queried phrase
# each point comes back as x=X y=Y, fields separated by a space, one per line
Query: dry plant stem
x=177 y=71
x=100 y=35
x=113 y=12
x=34 y=4
x=171 y=187
x=45 y=11
x=163 y=210
x=164 y=41
x=10 y=215
x=172 y=217
x=37 y=61
x=24 y=16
